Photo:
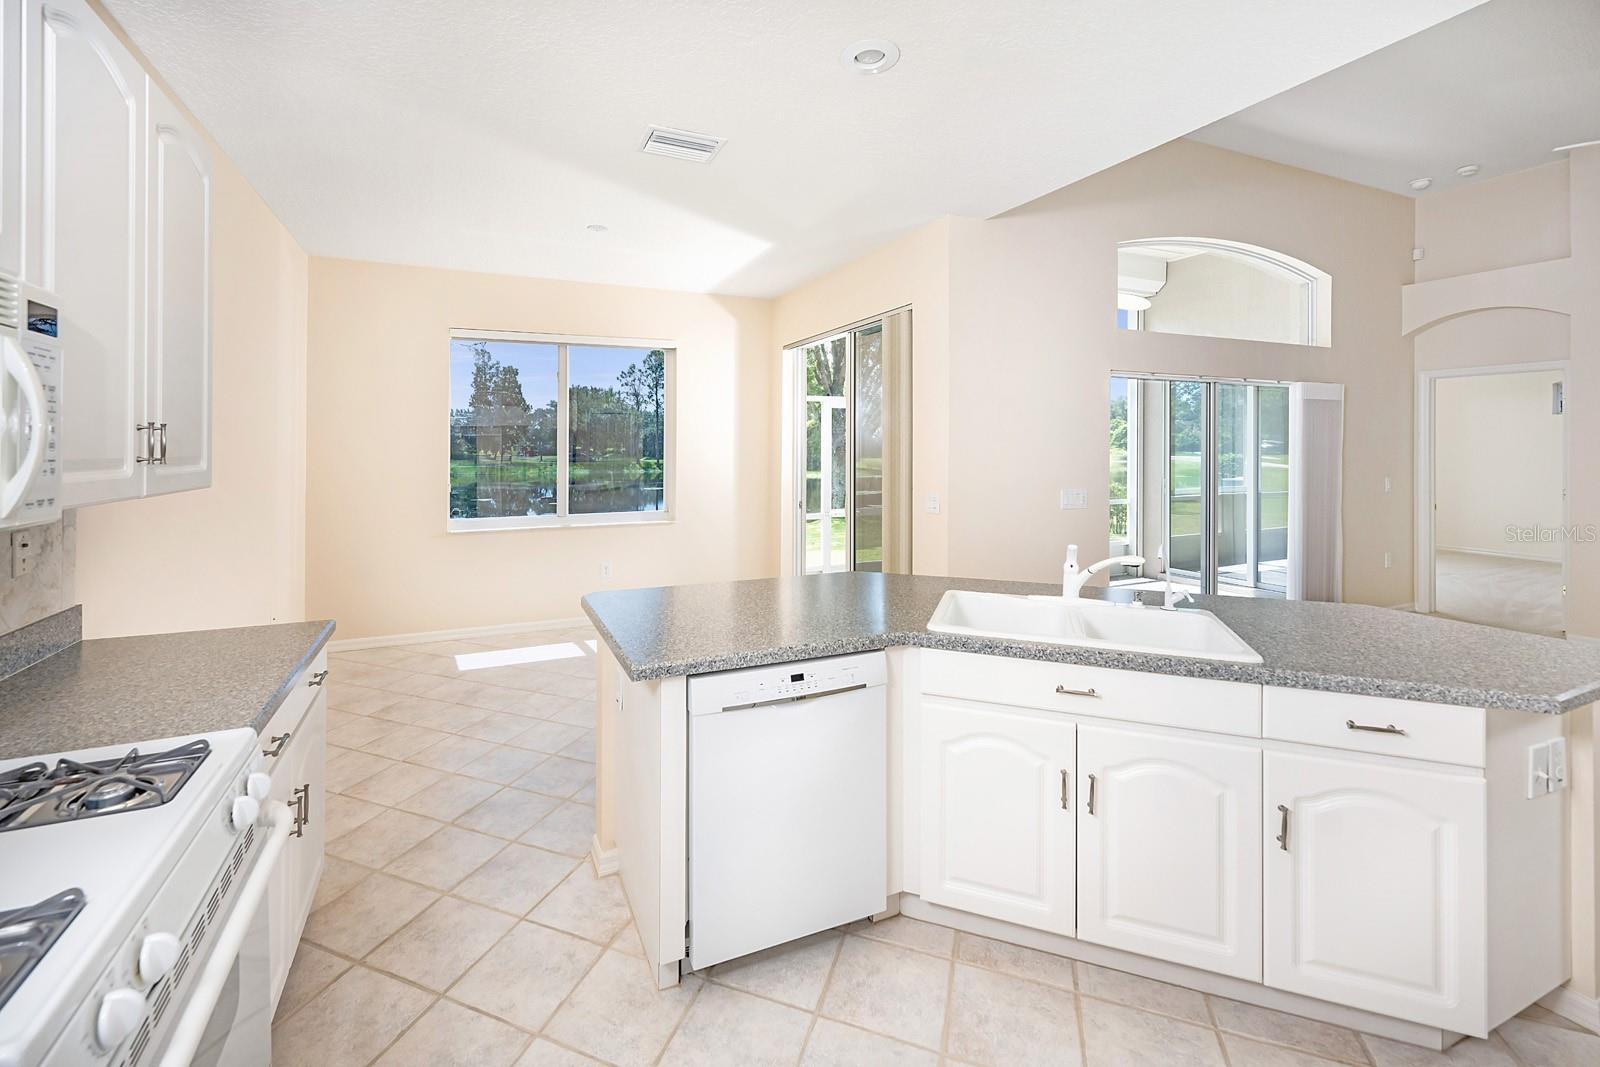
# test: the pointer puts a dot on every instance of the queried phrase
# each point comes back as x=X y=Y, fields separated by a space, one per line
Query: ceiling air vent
x=681 y=144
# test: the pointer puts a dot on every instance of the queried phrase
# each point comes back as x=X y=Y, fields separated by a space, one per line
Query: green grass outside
x=541 y=470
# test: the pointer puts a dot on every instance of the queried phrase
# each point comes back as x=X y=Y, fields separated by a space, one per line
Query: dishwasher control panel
x=729 y=690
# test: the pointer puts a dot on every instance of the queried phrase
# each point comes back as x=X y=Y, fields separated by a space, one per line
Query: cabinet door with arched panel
x=1169 y=864
x=1375 y=887
x=85 y=189
x=997 y=834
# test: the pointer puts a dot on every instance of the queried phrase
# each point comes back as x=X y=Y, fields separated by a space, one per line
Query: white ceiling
x=486 y=135
x=1499 y=86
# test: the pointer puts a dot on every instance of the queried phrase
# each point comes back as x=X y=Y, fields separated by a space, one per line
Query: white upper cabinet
x=1375 y=888
x=1169 y=861
x=996 y=813
x=178 y=360
x=116 y=214
x=11 y=138
x=87 y=194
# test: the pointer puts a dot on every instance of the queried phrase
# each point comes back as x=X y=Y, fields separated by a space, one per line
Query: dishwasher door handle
x=798 y=699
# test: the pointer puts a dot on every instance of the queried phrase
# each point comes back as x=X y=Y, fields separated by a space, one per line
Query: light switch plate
x=1538 y=770
x=1074 y=499
x=933 y=503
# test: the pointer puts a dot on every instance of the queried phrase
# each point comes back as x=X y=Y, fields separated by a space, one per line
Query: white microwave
x=30 y=406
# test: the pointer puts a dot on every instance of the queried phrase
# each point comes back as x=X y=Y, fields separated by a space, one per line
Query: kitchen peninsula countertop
x=1343 y=648
x=127 y=690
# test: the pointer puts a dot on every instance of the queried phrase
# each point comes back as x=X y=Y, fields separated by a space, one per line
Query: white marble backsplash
x=48 y=587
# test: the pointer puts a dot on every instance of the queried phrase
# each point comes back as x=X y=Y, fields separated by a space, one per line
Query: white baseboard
x=1407 y=606
x=606 y=860
x=464 y=634
x=1571 y=1004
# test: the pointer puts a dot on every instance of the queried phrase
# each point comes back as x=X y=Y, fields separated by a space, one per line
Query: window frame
x=562 y=519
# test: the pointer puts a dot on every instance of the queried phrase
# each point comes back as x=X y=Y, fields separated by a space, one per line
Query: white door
x=178 y=365
x=300 y=770
x=1169 y=864
x=1375 y=888
x=11 y=138
x=87 y=179
x=997 y=822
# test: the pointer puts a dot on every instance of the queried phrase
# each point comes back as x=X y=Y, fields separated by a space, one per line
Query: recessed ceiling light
x=597 y=227
x=870 y=56
x=1467 y=171
x=1420 y=184
x=1580 y=144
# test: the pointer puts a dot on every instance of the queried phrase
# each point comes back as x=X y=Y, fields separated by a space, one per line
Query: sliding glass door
x=853 y=476
x=1218 y=514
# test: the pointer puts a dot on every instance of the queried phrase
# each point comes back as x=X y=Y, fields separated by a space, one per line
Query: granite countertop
x=127 y=690
x=1344 y=648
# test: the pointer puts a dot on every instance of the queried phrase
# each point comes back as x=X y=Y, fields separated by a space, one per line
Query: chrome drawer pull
x=1064 y=805
x=318 y=678
x=1064 y=691
x=1390 y=729
x=277 y=745
x=1283 y=828
x=1091 y=794
x=302 y=810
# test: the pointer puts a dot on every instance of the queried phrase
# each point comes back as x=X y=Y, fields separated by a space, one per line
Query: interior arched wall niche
x=1211 y=287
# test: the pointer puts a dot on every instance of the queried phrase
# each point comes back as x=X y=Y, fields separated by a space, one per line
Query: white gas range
x=131 y=931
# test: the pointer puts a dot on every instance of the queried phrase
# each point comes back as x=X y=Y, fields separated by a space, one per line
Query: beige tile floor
x=458 y=923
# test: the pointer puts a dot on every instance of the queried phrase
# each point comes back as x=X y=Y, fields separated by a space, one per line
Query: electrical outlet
x=933 y=503
x=1074 y=499
x=24 y=551
x=605 y=569
x=1388 y=484
x=1558 y=764
x=1388 y=560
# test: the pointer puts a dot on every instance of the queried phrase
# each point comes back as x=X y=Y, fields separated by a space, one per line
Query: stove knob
x=121 y=1012
x=258 y=786
x=157 y=954
x=244 y=814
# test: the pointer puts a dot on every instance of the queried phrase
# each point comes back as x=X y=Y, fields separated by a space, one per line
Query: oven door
x=227 y=1020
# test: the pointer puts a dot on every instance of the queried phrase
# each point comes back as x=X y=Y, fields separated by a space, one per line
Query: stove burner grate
x=26 y=934
x=36 y=794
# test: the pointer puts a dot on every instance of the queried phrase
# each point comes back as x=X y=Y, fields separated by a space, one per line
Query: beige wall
x=913 y=270
x=1033 y=341
x=1497 y=463
x=378 y=556
x=1550 y=213
x=1216 y=295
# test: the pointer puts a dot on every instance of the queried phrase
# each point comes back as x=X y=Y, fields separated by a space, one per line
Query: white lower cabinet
x=1375 y=887
x=996 y=812
x=1169 y=858
x=298 y=780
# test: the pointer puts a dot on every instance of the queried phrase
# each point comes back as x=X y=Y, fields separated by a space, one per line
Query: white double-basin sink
x=1189 y=632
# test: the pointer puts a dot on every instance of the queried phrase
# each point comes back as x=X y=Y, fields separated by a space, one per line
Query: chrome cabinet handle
x=1091 y=794
x=302 y=810
x=1062 y=690
x=1390 y=729
x=147 y=452
x=318 y=678
x=1283 y=828
x=1064 y=805
x=277 y=745
x=161 y=429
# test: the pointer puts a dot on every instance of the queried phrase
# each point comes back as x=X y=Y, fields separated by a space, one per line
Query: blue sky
x=536 y=367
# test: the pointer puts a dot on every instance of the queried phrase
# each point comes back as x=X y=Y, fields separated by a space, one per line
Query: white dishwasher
x=788 y=793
